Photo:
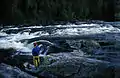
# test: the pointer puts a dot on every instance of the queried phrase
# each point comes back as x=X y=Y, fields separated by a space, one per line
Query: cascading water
x=21 y=38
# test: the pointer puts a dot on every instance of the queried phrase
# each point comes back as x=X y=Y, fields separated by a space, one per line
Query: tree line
x=43 y=11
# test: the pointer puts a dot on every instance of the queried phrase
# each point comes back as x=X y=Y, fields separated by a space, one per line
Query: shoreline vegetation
x=48 y=11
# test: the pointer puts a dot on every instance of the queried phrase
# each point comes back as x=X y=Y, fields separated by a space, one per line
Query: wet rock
x=73 y=65
x=117 y=71
x=7 y=71
x=59 y=46
x=87 y=46
x=5 y=54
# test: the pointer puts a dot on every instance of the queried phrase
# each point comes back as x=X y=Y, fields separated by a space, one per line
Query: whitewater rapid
x=11 y=37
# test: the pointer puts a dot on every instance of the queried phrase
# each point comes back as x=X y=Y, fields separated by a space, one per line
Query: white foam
x=12 y=40
x=86 y=31
x=17 y=37
x=3 y=34
x=33 y=27
x=73 y=25
x=5 y=44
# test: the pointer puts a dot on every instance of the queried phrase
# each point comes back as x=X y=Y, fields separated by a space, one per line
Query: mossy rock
x=89 y=46
x=47 y=60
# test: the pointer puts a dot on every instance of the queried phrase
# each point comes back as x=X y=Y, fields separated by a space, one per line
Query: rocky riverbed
x=76 y=51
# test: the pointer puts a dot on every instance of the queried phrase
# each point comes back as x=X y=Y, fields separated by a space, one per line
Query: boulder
x=87 y=46
x=75 y=65
x=7 y=71
x=72 y=65
x=5 y=54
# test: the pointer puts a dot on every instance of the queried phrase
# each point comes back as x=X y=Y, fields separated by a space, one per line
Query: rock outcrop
x=74 y=65
x=7 y=71
x=70 y=65
x=87 y=46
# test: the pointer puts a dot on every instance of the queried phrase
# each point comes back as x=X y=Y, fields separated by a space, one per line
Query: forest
x=48 y=11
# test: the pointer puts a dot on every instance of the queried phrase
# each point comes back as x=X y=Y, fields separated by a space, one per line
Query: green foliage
x=41 y=11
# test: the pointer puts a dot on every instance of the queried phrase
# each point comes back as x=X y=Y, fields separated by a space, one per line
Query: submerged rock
x=87 y=46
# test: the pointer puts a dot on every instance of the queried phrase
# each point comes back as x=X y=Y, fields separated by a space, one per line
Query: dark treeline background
x=44 y=11
x=117 y=10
